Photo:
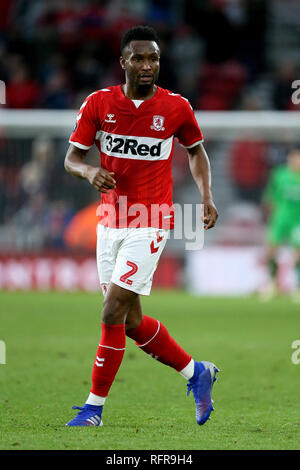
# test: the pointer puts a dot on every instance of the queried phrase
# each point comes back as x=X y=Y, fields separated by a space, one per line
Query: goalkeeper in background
x=282 y=200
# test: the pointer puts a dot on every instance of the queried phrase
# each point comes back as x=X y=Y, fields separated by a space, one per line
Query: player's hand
x=101 y=179
x=210 y=214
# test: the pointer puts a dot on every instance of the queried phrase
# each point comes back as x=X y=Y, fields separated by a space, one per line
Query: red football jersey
x=137 y=144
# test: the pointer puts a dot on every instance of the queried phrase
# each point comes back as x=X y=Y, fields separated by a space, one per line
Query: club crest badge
x=158 y=123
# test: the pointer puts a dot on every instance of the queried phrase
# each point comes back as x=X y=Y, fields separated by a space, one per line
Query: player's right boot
x=89 y=415
x=201 y=385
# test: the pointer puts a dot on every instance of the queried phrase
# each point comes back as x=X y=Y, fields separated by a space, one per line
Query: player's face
x=141 y=63
x=294 y=160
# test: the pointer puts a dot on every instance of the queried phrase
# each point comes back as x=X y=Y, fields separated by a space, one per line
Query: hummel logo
x=110 y=118
x=99 y=361
x=154 y=356
x=158 y=239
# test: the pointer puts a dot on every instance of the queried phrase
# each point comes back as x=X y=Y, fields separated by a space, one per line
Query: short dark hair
x=139 y=33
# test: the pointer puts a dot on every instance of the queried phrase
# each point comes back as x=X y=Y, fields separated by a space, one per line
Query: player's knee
x=133 y=322
x=116 y=308
x=113 y=312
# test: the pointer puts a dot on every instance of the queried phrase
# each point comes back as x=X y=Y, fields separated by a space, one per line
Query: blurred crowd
x=54 y=53
x=35 y=203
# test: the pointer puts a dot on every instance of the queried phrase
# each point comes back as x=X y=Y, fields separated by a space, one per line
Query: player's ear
x=122 y=62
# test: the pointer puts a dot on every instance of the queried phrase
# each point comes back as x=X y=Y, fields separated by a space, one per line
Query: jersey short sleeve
x=189 y=134
x=84 y=132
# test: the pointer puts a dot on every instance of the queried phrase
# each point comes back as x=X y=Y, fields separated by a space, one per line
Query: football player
x=134 y=125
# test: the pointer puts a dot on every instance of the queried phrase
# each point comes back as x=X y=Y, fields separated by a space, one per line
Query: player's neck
x=135 y=93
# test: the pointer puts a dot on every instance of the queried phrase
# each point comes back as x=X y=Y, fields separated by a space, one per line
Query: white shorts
x=128 y=257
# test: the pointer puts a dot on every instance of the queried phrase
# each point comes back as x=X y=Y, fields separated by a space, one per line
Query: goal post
x=275 y=125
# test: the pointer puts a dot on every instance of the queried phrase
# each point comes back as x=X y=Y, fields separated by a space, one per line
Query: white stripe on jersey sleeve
x=83 y=104
x=80 y=146
x=193 y=145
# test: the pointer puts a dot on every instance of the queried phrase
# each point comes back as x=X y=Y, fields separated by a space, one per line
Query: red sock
x=108 y=359
x=153 y=338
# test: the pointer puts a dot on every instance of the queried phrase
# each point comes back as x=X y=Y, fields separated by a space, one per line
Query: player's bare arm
x=100 y=178
x=200 y=169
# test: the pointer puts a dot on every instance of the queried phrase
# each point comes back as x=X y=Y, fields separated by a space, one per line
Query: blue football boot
x=90 y=415
x=201 y=385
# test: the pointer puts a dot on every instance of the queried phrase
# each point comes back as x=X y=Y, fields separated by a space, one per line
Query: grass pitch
x=51 y=340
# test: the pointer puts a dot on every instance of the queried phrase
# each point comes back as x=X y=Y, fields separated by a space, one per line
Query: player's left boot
x=90 y=415
x=201 y=385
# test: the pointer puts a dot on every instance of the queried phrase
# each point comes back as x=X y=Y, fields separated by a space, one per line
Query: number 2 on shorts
x=133 y=270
